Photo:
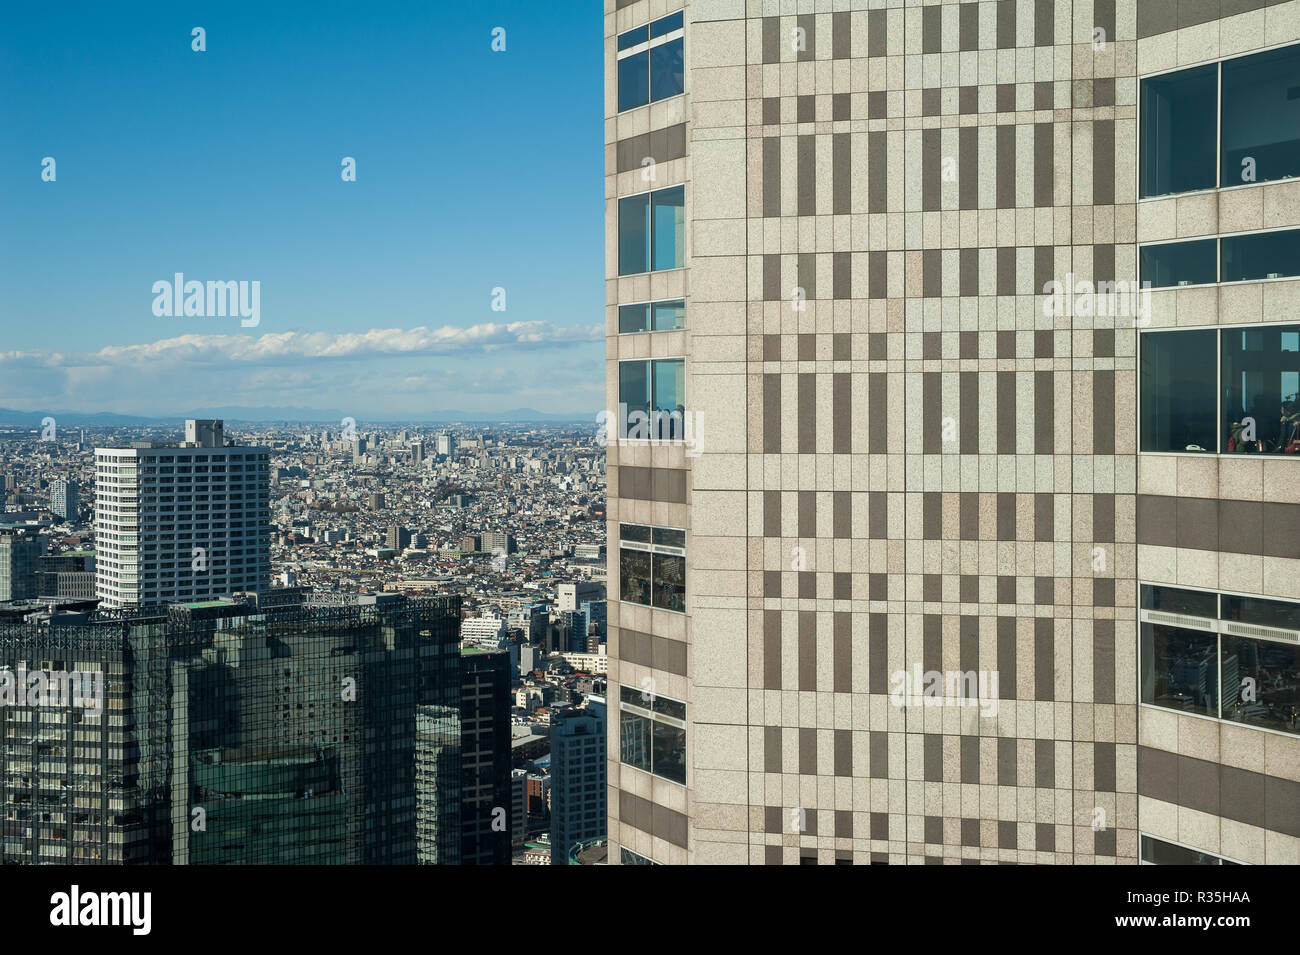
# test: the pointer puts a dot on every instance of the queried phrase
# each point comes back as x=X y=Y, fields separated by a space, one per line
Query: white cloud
x=296 y=346
x=378 y=371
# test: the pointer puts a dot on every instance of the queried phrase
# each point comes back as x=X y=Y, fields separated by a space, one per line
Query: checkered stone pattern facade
x=909 y=465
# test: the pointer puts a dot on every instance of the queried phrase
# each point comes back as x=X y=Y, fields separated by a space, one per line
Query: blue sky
x=475 y=170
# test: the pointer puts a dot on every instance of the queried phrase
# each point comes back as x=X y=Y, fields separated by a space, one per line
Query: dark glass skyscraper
x=485 y=757
x=227 y=732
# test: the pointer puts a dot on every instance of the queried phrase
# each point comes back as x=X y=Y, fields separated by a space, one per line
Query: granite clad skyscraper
x=882 y=262
x=181 y=522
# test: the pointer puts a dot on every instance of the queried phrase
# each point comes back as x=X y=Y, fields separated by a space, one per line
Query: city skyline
x=922 y=490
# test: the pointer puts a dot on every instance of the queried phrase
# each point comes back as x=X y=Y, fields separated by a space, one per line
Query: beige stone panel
x=1158 y=728
x=718 y=747
x=1242 y=842
x=1241 y=572
x=1241 y=303
x=1198 y=214
x=1242 y=33
x=708 y=852
x=1281 y=482
x=1281 y=204
x=717 y=279
x=1281 y=849
x=1199 y=829
x=1157 y=474
x=1162 y=308
x=1242 y=747
x=712 y=704
x=1241 y=209
x=717 y=83
x=1282 y=25
x=1194 y=305
x=1158 y=220
x=1281 y=298
x=1198 y=738
x=1282 y=756
x=1198 y=568
x=718 y=237
x=1241 y=478
x=1199 y=43
x=1158 y=818
x=1282 y=577
x=1197 y=476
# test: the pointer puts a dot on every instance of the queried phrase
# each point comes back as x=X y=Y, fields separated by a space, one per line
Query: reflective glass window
x=1261 y=390
x=1177 y=384
x=1179 y=131
x=1261 y=117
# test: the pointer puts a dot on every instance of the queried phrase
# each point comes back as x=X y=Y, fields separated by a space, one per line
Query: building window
x=653 y=385
x=1261 y=117
x=652 y=566
x=1231 y=391
x=1245 y=257
x=1158 y=852
x=650 y=62
x=1261 y=255
x=1177 y=373
x=652 y=231
x=1181 y=669
x=1177 y=136
x=1256 y=120
x=652 y=733
x=628 y=857
x=1228 y=656
x=1179 y=263
x=652 y=317
x=1261 y=389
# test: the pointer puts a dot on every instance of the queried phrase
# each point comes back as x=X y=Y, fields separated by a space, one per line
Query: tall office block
x=518 y=808
x=178 y=522
x=399 y=538
x=486 y=795
x=64 y=499
x=498 y=542
x=438 y=831
x=578 y=777
x=20 y=553
x=263 y=733
x=889 y=400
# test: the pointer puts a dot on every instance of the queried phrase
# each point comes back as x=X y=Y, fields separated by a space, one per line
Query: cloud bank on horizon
x=378 y=370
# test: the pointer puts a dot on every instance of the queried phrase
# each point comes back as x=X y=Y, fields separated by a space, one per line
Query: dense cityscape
x=502 y=527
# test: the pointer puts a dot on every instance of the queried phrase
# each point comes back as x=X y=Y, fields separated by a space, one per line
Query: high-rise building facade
x=578 y=776
x=20 y=554
x=892 y=410
x=178 y=522
x=399 y=538
x=64 y=499
x=486 y=795
x=232 y=732
x=498 y=543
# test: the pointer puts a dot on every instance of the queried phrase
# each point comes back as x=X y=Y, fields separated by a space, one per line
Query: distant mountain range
x=10 y=417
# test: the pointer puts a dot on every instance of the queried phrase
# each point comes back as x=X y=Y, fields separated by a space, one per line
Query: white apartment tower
x=181 y=522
